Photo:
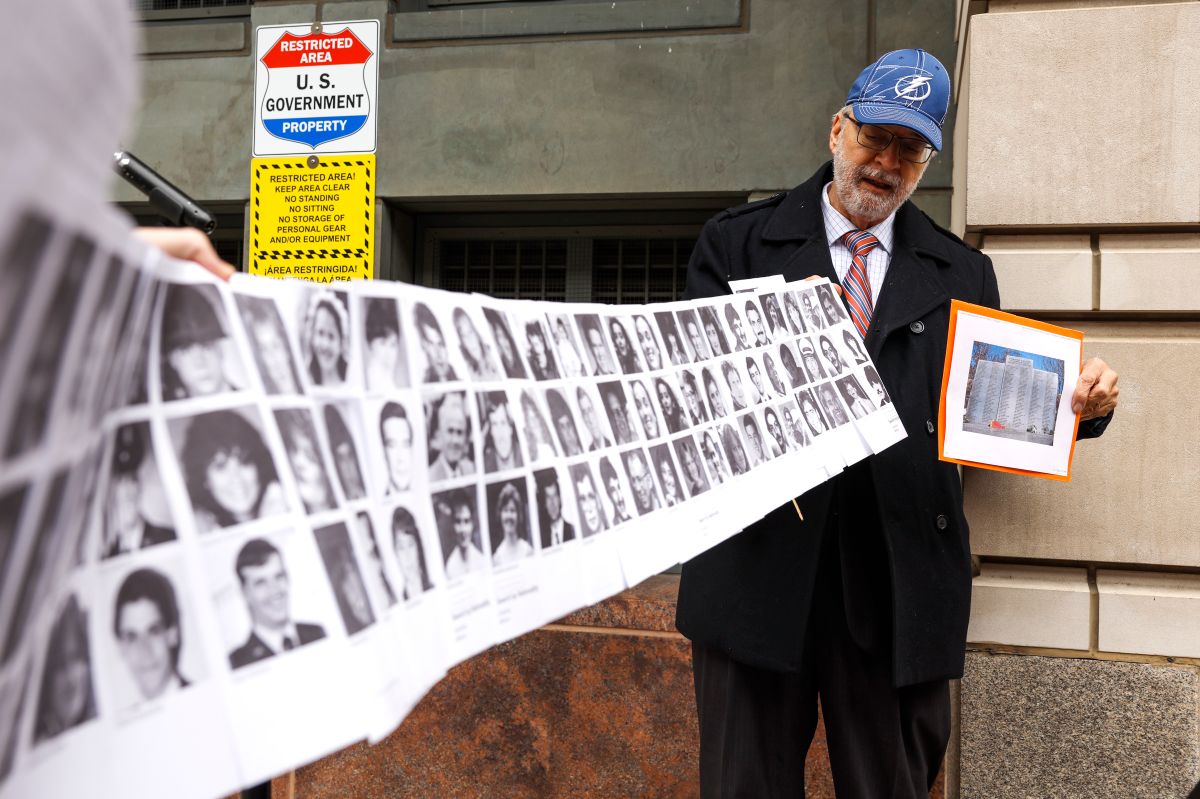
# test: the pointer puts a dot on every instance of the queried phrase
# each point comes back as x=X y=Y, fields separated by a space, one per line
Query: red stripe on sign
x=316 y=49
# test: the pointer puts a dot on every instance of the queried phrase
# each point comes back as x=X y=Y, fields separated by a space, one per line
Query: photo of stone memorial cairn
x=1012 y=394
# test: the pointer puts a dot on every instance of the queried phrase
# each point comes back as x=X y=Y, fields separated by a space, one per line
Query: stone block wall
x=1081 y=183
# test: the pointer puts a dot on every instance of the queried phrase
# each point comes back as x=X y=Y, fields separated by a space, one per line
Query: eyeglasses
x=873 y=137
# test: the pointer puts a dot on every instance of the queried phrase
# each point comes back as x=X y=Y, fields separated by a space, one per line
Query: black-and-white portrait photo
x=691 y=463
x=396 y=438
x=644 y=406
x=325 y=337
x=564 y=422
x=538 y=440
x=832 y=357
x=814 y=417
x=306 y=460
x=735 y=451
x=19 y=266
x=587 y=499
x=791 y=365
x=596 y=344
x=501 y=443
x=774 y=379
x=668 y=402
x=713 y=391
x=337 y=553
x=11 y=504
x=777 y=438
x=693 y=335
x=614 y=492
x=756 y=447
x=149 y=634
x=451 y=451
x=855 y=396
x=736 y=386
x=756 y=324
x=506 y=345
x=854 y=346
x=457 y=514
x=808 y=358
x=384 y=361
x=648 y=343
x=66 y=695
x=410 y=554
x=344 y=445
x=668 y=476
x=569 y=356
x=835 y=411
x=595 y=427
x=714 y=334
x=40 y=375
x=672 y=338
x=552 y=509
x=266 y=588
x=776 y=327
x=791 y=308
x=738 y=333
x=508 y=516
x=48 y=534
x=756 y=391
x=269 y=344
x=477 y=354
x=230 y=474
x=641 y=481
x=876 y=384
x=832 y=309
x=542 y=363
x=616 y=406
x=379 y=586
x=626 y=354
x=793 y=425
x=198 y=356
x=12 y=710
x=438 y=368
x=812 y=315
x=136 y=511
x=693 y=398
x=714 y=458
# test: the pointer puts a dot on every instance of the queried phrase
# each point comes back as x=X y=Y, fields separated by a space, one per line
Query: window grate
x=639 y=270
x=144 y=6
x=524 y=269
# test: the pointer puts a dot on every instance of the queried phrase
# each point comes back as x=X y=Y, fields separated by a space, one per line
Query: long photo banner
x=246 y=524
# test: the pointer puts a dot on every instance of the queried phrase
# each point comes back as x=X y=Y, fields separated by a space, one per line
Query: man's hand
x=1096 y=393
x=836 y=287
x=186 y=244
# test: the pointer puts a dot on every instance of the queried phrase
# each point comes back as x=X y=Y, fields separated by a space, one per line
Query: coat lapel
x=798 y=219
x=911 y=288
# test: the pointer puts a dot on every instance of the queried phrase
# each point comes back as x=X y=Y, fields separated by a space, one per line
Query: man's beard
x=864 y=203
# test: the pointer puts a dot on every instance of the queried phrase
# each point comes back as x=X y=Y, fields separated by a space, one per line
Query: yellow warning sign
x=313 y=217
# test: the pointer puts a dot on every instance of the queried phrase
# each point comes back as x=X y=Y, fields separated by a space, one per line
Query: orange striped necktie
x=856 y=285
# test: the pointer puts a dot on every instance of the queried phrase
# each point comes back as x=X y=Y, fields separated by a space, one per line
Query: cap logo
x=913 y=88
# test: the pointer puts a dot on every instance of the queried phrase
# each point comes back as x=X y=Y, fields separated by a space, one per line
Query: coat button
x=929 y=427
x=942 y=522
x=917 y=327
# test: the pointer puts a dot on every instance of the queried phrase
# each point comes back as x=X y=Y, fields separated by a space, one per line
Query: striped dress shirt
x=878 y=259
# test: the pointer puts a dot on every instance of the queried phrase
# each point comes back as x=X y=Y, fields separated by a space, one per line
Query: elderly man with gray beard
x=863 y=601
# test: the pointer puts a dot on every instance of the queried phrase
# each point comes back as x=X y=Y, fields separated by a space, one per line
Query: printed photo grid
x=277 y=489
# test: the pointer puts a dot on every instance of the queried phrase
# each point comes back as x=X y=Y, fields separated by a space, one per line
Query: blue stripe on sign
x=314 y=131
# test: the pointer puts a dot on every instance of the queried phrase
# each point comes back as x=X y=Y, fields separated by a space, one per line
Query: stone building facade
x=571 y=149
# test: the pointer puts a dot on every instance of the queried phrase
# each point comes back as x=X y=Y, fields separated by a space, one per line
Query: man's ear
x=835 y=131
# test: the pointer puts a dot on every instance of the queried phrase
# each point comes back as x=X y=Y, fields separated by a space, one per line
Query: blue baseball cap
x=904 y=87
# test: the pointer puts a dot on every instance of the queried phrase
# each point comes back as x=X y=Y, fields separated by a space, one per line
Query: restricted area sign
x=315 y=91
x=313 y=217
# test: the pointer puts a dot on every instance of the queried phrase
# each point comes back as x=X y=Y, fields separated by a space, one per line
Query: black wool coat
x=750 y=596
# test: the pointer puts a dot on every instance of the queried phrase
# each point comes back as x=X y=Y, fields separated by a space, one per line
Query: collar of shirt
x=274 y=638
x=837 y=225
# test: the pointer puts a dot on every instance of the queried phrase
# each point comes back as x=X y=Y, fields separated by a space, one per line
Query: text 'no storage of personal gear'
x=313 y=218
